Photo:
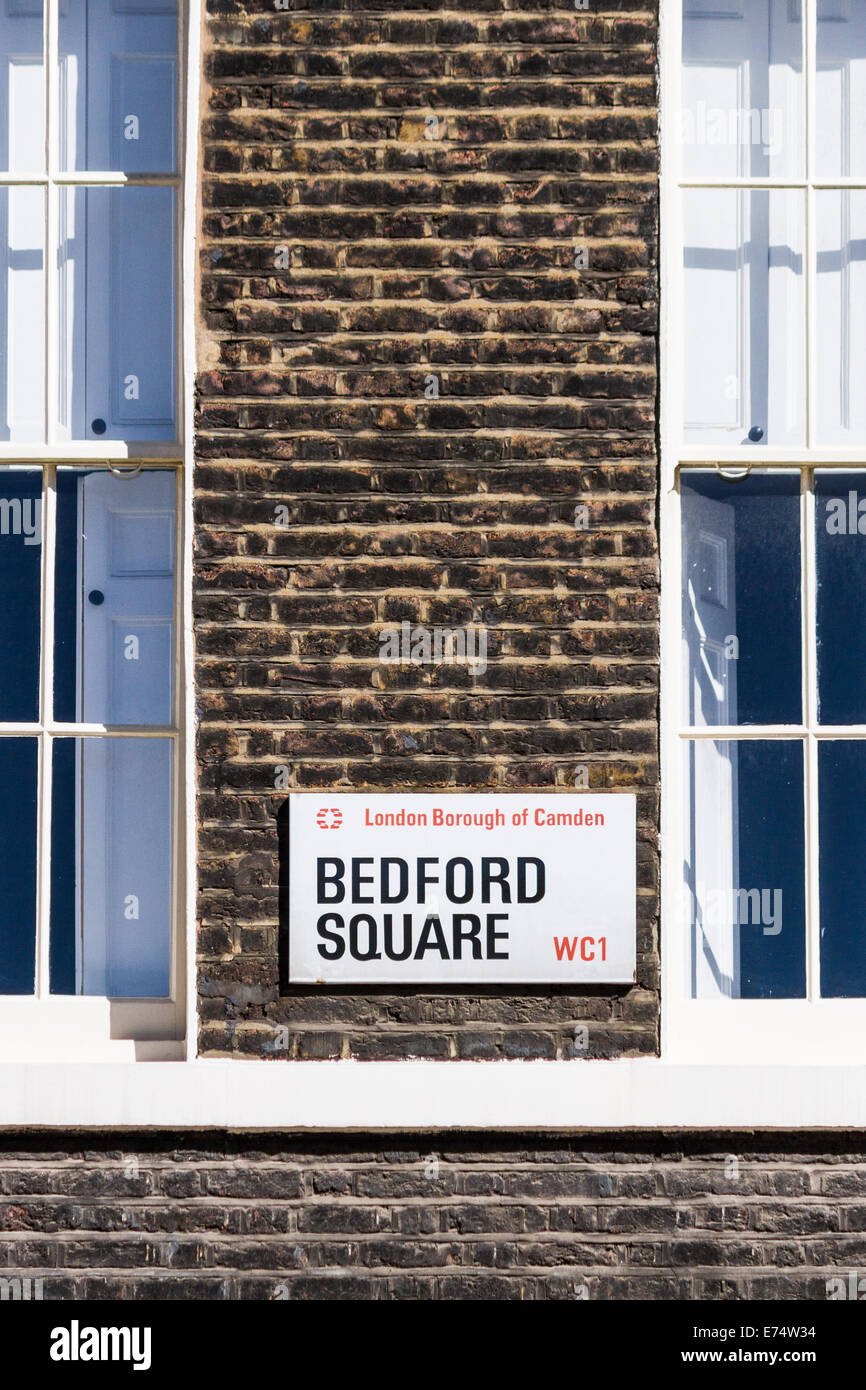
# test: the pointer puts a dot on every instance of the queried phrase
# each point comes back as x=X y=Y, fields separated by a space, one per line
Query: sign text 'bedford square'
x=461 y=889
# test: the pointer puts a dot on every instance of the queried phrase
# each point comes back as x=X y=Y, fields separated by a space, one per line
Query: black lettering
x=488 y=877
x=423 y=879
x=432 y=928
x=403 y=875
x=522 y=894
x=468 y=932
x=360 y=880
x=339 y=945
x=363 y=919
x=406 y=949
x=468 y=881
x=493 y=936
x=336 y=878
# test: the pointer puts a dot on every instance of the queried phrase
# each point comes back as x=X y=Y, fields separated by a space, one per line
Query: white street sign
x=461 y=889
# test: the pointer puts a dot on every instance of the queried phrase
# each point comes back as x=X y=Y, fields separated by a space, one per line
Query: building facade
x=529 y=330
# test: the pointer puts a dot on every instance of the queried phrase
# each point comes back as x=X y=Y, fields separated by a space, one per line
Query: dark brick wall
x=346 y=261
x=228 y=1217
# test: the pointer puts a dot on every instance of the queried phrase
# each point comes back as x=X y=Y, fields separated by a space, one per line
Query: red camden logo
x=329 y=818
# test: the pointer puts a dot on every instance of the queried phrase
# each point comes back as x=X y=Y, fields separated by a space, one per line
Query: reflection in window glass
x=22 y=91
x=744 y=316
x=117 y=313
x=840 y=103
x=841 y=315
x=111 y=867
x=741 y=599
x=842 y=873
x=22 y=231
x=22 y=314
x=20 y=583
x=114 y=597
x=118 y=73
x=744 y=898
x=742 y=89
x=18 y=761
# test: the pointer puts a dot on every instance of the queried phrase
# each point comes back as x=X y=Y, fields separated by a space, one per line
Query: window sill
x=87 y=1029
x=422 y=1095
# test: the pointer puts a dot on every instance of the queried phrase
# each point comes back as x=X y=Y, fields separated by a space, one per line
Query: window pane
x=840 y=552
x=20 y=587
x=741 y=599
x=22 y=314
x=744 y=317
x=18 y=761
x=841 y=89
x=744 y=899
x=111 y=842
x=22 y=90
x=114 y=649
x=742 y=89
x=117 y=313
x=842 y=868
x=118 y=77
x=841 y=315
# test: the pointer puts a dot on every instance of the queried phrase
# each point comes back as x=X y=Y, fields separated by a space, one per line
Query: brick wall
x=653 y=1216
x=400 y=201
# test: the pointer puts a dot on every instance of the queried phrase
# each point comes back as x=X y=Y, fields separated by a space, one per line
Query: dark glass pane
x=111 y=867
x=745 y=879
x=842 y=868
x=67 y=596
x=65 y=833
x=20 y=570
x=741 y=599
x=114 y=617
x=771 y=846
x=840 y=545
x=18 y=763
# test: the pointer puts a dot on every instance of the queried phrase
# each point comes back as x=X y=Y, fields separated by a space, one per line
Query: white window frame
x=738 y=1030
x=42 y=1026
x=39 y=1089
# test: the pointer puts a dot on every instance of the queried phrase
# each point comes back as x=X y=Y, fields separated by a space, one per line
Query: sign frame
x=483 y=883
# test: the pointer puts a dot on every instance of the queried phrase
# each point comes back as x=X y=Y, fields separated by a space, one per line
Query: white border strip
x=186 y=803
x=423 y=1095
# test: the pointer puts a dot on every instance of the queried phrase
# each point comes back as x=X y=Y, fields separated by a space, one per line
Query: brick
x=527 y=1216
x=409 y=257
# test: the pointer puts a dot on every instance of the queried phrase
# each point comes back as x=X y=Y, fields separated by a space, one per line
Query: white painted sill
x=423 y=1095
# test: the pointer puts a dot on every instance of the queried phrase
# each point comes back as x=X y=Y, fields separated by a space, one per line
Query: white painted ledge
x=256 y=1095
